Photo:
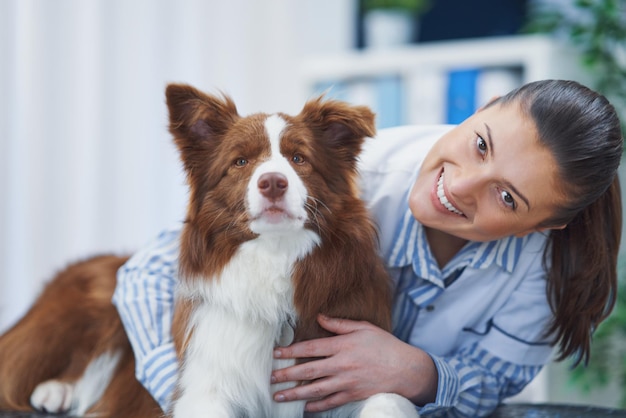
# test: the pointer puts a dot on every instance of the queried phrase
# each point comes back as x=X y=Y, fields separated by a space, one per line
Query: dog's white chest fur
x=237 y=321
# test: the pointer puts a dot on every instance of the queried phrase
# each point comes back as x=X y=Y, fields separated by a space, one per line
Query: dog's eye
x=241 y=162
x=297 y=159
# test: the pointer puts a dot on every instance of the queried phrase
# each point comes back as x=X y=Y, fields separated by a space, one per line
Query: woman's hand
x=360 y=361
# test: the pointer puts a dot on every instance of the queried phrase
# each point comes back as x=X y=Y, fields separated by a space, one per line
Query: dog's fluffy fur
x=275 y=235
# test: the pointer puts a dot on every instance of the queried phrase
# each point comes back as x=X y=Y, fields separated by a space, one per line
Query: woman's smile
x=444 y=199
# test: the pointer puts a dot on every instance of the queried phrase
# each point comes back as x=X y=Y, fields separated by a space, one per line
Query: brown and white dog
x=275 y=235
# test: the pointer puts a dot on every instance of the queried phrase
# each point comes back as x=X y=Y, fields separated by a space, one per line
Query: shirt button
x=430 y=308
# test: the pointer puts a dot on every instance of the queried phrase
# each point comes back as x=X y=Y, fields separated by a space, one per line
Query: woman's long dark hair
x=582 y=131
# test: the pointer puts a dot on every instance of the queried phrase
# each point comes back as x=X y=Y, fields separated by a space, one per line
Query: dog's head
x=261 y=174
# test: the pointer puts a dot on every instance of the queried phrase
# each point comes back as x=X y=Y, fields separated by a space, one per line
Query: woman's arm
x=474 y=382
x=363 y=360
x=144 y=297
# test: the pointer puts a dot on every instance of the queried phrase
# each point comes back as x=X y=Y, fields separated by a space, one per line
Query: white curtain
x=86 y=163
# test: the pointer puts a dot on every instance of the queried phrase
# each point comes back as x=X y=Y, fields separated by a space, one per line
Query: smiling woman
x=558 y=129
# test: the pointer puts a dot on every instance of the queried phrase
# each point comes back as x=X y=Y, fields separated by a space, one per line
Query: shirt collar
x=411 y=247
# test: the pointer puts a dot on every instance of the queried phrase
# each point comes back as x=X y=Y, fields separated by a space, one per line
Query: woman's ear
x=548 y=228
x=558 y=227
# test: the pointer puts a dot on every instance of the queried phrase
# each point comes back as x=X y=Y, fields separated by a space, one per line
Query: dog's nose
x=272 y=185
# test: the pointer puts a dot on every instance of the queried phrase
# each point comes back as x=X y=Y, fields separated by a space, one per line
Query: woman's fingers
x=316 y=389
x=333 y=401
x=322 y=394
x=308 y=371
x=341 y=326
x=322 y=347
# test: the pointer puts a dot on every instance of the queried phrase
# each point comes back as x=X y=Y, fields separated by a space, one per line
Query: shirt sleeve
x=144 y=297
x=473 y=382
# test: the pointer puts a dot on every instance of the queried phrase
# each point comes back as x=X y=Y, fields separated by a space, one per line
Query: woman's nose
x=467 y=184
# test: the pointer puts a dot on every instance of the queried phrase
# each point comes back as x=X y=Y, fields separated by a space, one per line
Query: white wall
x=86 y=163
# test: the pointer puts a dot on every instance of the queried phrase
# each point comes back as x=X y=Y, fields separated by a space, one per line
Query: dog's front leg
x=201 y=388
x=205 y=388
x=226 y=367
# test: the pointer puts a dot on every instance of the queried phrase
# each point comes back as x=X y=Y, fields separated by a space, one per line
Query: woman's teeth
x=443 y=199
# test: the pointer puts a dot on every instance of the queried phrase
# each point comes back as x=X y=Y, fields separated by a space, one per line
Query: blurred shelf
x=438 y=82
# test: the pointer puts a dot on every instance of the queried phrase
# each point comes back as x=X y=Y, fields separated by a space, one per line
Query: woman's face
x=487 y=178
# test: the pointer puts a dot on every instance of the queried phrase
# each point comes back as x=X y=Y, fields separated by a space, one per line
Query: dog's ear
x=197 y=121
x=342 y=126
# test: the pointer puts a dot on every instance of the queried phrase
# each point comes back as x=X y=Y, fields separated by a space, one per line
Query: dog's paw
x=388 y=405
x=52 y=396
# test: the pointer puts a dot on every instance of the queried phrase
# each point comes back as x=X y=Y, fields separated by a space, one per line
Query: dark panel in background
x=460 y=19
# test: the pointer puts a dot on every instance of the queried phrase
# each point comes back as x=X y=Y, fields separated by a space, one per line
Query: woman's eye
x=241 y=162
x=508 y=200
x=481 y=144
x=297 y=159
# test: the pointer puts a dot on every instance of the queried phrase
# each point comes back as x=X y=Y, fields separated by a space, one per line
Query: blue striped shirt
x=472 y=381
x=144 y=298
